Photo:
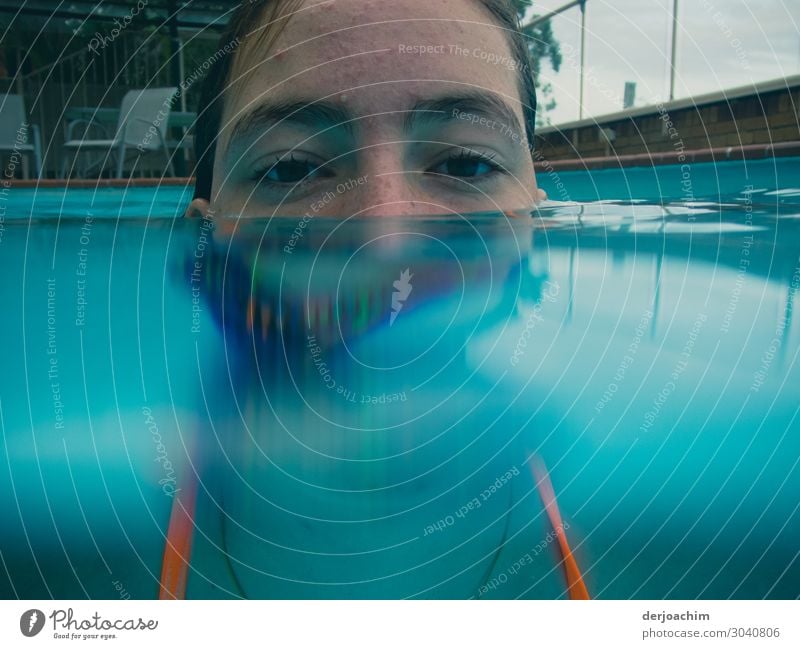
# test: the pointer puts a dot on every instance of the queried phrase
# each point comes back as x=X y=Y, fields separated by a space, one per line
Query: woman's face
x=371 y=107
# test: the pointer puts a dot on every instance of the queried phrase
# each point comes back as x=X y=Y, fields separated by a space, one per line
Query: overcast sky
x=721 y=44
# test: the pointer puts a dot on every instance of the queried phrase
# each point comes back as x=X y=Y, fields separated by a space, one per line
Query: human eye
x=290 y=170
x=467 y=163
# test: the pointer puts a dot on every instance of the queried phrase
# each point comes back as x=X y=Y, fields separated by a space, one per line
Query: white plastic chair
x=14 y=127
x=142 y=125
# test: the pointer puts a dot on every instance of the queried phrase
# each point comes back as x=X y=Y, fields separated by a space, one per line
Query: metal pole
x=181 y=73
x=19 y=82
x=583 y=55
x=182 y=162
x=174 y=41
x=674 y=47
x=555 y=12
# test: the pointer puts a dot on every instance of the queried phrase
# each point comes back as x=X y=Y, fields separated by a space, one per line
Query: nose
x=387 y=194
x=391 y=196
x=384 y=187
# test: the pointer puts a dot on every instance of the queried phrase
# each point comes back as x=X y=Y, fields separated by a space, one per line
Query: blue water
x=639 y=336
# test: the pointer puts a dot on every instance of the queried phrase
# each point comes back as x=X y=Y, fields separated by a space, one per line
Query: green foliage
x=542 y=46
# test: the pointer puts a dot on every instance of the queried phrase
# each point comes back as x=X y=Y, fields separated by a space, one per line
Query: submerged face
x=368 y=107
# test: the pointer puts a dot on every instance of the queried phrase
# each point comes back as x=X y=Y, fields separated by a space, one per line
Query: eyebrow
x=321 y=115
x=461 y=107
x=317 y=115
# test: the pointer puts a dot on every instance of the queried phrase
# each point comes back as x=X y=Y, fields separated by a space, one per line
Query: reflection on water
x=359 y=400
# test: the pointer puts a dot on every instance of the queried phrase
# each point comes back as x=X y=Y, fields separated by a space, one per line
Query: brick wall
x=764 y=116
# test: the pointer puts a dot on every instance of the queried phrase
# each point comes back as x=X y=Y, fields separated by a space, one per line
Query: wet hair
x=272 y=15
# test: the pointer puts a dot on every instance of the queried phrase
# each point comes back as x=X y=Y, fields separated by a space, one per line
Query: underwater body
x=360 y=401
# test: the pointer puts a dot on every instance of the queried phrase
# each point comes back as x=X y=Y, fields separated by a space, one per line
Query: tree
x=542 y=46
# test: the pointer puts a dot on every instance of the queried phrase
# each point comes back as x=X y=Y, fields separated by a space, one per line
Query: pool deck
x=647 y=159
x=653 y=158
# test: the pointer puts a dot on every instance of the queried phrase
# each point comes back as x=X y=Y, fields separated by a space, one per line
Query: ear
x=539 y=194
x=197 y=209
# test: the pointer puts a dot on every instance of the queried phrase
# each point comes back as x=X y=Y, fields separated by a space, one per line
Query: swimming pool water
x=645 y=348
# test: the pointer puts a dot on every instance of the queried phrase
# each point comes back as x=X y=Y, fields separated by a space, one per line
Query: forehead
x=376 y=54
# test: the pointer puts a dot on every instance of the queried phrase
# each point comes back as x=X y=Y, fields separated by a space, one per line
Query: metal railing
x=552 y=14
x=88 y=78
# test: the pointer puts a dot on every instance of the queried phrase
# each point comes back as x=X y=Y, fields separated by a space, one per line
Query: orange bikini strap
x=178 y=549
x=575 y=586
x=177 y=552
